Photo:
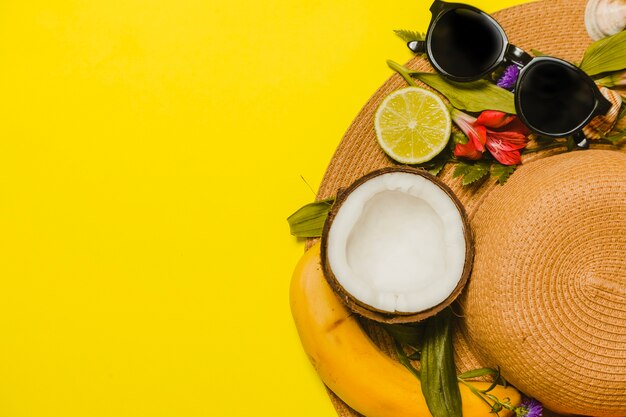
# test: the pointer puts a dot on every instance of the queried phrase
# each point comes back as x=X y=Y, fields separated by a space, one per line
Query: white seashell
x=605 y=17
x=620 y=126
x=599 y=126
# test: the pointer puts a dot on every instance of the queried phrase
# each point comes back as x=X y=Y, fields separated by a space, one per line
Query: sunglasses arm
x=417 y=47
x=580 y=140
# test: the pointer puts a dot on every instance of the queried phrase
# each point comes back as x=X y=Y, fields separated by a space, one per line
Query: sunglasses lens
x=465 y=43
x=554 y=98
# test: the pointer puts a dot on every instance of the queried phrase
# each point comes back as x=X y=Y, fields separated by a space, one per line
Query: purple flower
x=508 y=79
x=530 y=408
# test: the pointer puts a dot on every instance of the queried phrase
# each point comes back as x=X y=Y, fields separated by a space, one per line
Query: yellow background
x=150 y=151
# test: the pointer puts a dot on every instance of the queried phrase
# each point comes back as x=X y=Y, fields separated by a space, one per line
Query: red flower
x=502 y=134
x=476 y=134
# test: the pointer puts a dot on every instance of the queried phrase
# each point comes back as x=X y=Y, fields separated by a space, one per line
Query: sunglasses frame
x=511 y=55
x=600 y=107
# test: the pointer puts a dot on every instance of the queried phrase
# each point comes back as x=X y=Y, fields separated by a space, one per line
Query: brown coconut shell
x=373 y=313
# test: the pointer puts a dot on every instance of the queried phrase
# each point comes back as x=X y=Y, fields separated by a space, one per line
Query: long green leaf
x=404 y=360
x=473 y=96
x=309 y=220
x=607 y=54
x=475 y=373
x=438 y=372
x=406 y=334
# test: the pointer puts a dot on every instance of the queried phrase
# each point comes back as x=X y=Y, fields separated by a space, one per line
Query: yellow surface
x=150 y=151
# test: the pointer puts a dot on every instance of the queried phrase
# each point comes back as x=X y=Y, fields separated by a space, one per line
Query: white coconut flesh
x=397 y=244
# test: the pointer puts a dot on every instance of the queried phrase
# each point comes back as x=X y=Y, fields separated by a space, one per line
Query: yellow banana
x=351 y=365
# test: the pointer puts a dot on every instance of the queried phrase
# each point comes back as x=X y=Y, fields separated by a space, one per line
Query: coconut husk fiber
x=546 y=300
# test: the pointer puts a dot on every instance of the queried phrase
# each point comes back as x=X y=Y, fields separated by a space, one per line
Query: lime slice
x=412 y=125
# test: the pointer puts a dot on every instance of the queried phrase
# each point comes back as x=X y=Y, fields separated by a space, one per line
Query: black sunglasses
x=552 y=97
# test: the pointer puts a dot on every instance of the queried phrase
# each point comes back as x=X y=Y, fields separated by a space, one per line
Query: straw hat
x=546 y=300
x=547 y=297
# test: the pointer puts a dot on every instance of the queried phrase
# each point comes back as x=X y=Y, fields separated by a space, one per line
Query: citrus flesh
x=412 y=125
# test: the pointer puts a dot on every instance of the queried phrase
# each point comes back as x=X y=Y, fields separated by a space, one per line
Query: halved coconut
x=397 y=246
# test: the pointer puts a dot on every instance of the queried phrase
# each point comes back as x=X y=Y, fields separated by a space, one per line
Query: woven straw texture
x=589 y=354
x=547 y=296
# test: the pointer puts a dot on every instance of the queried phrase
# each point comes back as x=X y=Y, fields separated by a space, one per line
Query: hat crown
x=547 y=297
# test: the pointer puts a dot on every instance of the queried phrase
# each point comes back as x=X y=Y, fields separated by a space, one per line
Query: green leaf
x=495 y=373
x=405 y=360
x=471 y=172
x=613 y=79
x=475 y=373
x=436 y=169
x=494 y=384
x=537 y=52
x=502 y=172
x=472 y=96
x=435 y=165
x=406 y=334
x=461 y=169
x=570 y=143
x=459 y=137
x=605 y=55
x=617 y=138
x=438 y=372
x=475 y=172
x=410 y=35
x=309 y=220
